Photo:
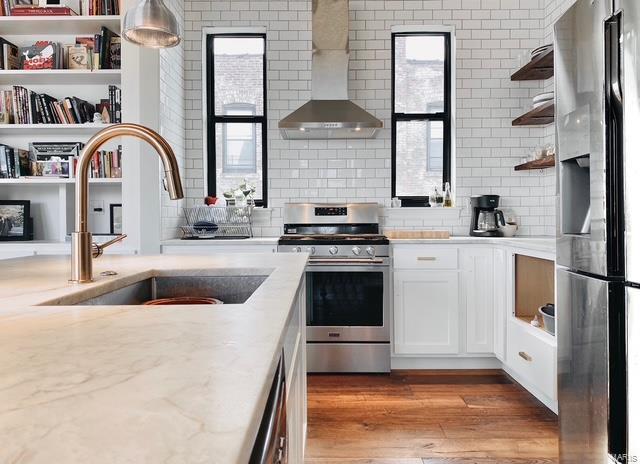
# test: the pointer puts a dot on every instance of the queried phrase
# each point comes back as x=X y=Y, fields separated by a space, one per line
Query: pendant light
x=151 y=24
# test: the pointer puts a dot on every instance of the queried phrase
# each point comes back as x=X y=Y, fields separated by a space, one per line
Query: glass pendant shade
x=151 y=24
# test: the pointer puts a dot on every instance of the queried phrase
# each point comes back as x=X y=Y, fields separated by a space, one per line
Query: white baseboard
x=445 y=363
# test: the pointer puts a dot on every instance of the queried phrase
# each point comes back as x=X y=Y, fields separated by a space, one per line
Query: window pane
x=419 y=74
x=238 y=156
x=419 y=157
x=238 y=73
x=239 y=109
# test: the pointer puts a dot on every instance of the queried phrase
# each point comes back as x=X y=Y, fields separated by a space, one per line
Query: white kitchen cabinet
x=426 y=312
x=296 y=371
x=502 y=287
x=477 y=298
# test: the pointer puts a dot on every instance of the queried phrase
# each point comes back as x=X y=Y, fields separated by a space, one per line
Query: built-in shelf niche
x=534 y=286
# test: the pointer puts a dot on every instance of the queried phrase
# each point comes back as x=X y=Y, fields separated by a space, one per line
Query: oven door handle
x=346 y=262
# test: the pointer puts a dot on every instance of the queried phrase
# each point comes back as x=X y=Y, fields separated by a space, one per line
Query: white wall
x=172 y=119
x=490 y=34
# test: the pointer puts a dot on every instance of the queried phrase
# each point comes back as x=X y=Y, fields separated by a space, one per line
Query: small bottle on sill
x=448 y=199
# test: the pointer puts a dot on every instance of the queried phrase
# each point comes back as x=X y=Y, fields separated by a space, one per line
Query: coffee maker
x=486 y=218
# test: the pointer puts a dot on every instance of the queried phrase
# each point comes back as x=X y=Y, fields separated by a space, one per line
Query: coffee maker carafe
x=486 y=218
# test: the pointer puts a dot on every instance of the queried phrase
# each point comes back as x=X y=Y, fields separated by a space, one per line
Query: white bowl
x=508 y=230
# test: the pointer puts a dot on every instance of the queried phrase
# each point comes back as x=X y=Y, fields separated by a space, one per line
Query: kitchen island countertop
x=114 y=384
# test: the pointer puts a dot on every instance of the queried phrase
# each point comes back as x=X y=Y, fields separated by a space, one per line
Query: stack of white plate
x=537 y=51
x=542 y=98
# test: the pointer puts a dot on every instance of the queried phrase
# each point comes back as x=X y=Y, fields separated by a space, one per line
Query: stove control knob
x=356 y=250
x=371 y=251
x=333 y=250
x=311 y=250
x=296 y=249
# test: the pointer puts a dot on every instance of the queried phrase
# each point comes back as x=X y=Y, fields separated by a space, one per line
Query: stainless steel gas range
x=348 y=289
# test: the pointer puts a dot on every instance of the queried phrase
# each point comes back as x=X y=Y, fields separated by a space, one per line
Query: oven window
x=345 y=299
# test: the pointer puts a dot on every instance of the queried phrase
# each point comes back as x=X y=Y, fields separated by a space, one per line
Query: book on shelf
x=14 y=162
x=6 y=107
x=23 y=106
x=41 y=55
x=42 y=11
x=107 y=164
x=57 y=160
x=59 y=8
x=9 y=55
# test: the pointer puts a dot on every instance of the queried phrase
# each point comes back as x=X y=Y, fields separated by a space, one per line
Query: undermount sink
x=228 y=289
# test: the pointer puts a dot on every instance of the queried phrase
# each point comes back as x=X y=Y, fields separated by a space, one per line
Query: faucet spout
x=81 y=242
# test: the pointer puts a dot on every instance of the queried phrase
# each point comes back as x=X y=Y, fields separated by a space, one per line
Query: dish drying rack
x=221 y=222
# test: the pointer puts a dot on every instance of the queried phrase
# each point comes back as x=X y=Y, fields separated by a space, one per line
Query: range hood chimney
x=329 y=114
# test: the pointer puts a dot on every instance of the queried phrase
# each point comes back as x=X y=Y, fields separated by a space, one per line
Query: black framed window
x=421 y=114
x=236 y=113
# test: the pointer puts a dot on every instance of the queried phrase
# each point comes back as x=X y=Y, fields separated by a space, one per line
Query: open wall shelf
x=56 y=181
x=47 y=25
x=60 y=77
x=543 y=163
x=539 y=68
x=52 y=128
x=540 y=116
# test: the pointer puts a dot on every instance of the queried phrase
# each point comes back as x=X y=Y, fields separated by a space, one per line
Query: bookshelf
x=52 y=199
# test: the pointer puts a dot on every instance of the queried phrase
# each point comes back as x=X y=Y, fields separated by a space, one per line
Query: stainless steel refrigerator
x=597 y=76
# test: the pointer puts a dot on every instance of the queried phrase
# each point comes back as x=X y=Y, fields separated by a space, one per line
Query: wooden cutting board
x=407 y=234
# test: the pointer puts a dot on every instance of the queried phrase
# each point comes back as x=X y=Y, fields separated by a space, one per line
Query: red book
x=45 y=11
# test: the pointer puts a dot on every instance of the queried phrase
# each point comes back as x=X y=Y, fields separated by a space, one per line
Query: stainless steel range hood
x=329 y=114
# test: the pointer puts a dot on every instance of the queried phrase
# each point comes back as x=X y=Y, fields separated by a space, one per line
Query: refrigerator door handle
x=615 y=67
x=614 y=137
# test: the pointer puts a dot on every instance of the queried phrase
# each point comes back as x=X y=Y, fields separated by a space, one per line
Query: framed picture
x=73 y=4
x=115 y=215
x=14 y=220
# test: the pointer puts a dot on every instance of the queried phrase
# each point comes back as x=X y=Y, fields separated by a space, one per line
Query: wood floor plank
x=427 y=417
x=488 y=461
x=365 y=461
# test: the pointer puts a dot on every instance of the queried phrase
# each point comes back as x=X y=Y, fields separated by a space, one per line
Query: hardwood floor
x=427 y=417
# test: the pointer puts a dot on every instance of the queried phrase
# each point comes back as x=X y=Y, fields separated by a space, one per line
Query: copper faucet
x=82 y=249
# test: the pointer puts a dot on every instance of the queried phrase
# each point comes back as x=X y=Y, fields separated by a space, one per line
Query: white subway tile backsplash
x=490 y=35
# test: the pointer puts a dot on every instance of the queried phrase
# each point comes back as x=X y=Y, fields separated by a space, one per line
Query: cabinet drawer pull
x=525 y=356
x=426 y=258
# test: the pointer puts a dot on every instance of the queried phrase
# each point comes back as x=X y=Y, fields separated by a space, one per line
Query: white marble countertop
x=116 y=384
x=545 y=244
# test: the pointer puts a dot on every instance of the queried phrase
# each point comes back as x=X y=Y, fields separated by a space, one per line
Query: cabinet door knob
x=525 y=356
x=426 y=258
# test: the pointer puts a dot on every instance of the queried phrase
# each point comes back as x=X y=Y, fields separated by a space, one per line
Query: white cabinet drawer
x=532 y=358
x=425 y=257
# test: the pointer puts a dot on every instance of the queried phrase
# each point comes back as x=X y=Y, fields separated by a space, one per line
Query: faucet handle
x=97 y=250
